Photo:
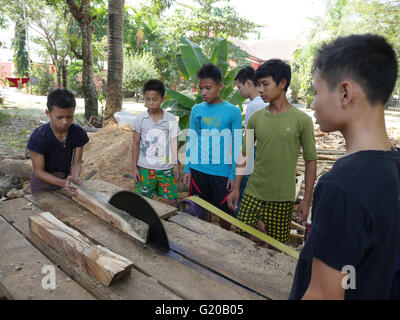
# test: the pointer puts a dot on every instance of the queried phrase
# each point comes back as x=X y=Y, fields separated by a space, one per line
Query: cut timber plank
x=298 y=226
x=138 y=286
x=234 y=241
x=175 y=274
x=299 y=182
x=103 y=264
x=98 y=204
x=26 y=283
x=245 y=268
x=300 y=179
x=163 y=210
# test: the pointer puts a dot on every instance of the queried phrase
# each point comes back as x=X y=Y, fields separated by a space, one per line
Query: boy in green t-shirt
x=279 y=131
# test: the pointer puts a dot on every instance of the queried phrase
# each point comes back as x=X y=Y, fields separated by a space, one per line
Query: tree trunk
x=115 y=60
x=58 y=70
x=64 y=75
x=82 y=15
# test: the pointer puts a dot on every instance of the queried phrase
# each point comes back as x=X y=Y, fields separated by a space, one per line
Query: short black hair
x=246 y=73
x=62 y=98
x=368 y=59
x=277 y=69
x=211 y=71
x=154 y=85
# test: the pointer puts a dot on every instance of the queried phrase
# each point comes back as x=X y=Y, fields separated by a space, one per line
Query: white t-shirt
x=256 y=104
x=155 y=148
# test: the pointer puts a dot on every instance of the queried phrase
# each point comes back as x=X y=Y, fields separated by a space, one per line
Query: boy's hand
x=77 y=180
x=233 y=199
x=176 y=172
x=303 y=210
x=229 y=185
x=186 y=179
x=136 y=175
x=71 y=189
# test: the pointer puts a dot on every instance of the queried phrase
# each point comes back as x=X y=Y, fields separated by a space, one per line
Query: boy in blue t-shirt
x=56 y=148
x=215 y=133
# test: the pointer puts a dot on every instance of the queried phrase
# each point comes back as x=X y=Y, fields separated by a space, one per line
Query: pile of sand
x=109 y=153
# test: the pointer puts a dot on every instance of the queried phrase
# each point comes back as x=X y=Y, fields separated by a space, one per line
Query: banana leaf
x=183 y=100
x=219 y=55
x=192 y=56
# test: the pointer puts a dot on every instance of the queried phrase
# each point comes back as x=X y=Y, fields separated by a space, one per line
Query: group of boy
x=355 y=206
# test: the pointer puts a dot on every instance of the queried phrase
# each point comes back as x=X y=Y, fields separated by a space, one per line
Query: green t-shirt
x=279 y=137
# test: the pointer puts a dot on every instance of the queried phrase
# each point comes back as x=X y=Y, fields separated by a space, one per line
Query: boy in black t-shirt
x=56 y=147
x=355 y=235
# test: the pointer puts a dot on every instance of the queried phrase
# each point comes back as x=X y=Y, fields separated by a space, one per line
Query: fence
x=393 y=104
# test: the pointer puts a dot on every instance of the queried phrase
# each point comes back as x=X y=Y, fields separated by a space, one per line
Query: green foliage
x=146 y=30
x=19 y=46
x=344 y=17
x=209 y=20
x=137 y=70
x=73 y=70
x=4 y=115
x=191 y=59
x=295 y=88
x=45 y=80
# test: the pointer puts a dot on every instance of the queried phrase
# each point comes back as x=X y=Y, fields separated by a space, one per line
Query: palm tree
x=115 y=59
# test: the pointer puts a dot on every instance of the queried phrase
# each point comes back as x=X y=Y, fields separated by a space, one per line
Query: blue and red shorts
x=210 y=188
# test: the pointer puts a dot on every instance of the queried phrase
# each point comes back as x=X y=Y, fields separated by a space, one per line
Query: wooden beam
x=138 y=286
x=298 y=226
x=103 y=264
x=181 y=276
x=300 y=179
x=21 y=267
x=98 y=204
x=163 y=210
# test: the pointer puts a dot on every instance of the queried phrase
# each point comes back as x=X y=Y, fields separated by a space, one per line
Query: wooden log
x=253 y=269
x=330 y=152
x=163 y=210
x=97 y=204
x=300 y=180
x=295 y=237
x=21 y=267
x=181 y=276
x=298 y=226
x=138 y=286
x=327 y=157
x=103 y=264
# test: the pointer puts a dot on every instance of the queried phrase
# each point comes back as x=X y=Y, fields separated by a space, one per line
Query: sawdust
x=109 y=153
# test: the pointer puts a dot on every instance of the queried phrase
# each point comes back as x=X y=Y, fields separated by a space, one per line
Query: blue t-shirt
x=356 y=222
x=57 y=155
x=216 y=134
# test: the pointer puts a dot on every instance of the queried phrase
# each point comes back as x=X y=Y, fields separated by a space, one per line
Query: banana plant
x=190 y=60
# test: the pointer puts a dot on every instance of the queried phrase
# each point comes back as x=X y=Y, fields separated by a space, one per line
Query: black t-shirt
x=57 y=155
x=356 y=222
